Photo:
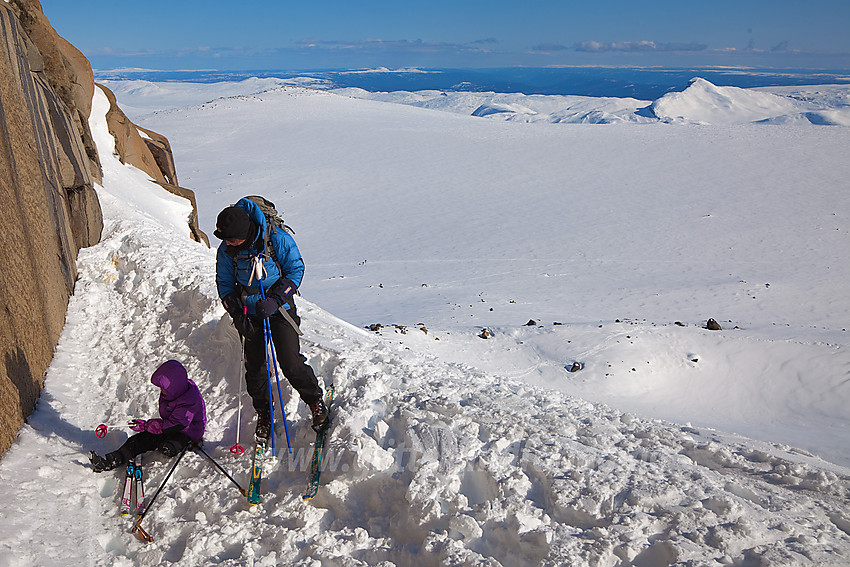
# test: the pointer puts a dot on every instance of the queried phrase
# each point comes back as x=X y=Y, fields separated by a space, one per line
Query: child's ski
x=140 y=489
x=257 y=471
x=319 y=449
x=128 y=488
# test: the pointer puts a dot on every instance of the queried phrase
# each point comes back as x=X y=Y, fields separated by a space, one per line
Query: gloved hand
x=266 y=307
x=154 y=426
x=282 y=290
x=232 y=303
x=244 y=325
x=151 y=425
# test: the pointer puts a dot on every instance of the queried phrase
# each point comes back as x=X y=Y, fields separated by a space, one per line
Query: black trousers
x=288 y=350
x=168 y=443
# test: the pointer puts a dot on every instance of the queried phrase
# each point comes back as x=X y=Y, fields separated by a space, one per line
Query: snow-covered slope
x=433 y=461
x=409 y=216
x=516 y=107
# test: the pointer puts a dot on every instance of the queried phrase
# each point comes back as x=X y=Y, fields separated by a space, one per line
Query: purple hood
x=171 y=377
x=180 y=402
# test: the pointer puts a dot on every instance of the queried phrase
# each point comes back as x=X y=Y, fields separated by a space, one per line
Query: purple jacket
x=180 y=402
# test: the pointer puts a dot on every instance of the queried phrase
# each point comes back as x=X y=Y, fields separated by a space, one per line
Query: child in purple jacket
x=183 y=418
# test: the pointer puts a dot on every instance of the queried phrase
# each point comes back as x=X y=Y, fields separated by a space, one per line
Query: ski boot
x=320 y=415
x=264 y=424
x=100 y=464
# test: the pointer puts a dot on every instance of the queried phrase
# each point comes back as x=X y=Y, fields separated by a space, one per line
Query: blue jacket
x=229 y=273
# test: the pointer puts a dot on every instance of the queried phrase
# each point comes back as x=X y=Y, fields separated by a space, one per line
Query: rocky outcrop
x=48 y=168
x=197 y=234
x=129 y=144
x=151 y=152
x=161 y=151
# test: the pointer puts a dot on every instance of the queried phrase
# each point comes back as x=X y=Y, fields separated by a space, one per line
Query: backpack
x=273 y=222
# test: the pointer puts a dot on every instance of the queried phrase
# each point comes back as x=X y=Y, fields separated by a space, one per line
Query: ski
x=319 y=450
x=128 y=488
x=140 y=488
x=257 y=471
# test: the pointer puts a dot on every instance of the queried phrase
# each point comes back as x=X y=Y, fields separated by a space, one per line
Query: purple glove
x=154 y=426
x=137 y=425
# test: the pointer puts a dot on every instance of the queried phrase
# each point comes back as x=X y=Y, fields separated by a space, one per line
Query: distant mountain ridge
x=623 y=82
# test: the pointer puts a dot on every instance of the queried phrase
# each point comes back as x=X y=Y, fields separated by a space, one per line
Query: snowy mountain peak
x=707 y=103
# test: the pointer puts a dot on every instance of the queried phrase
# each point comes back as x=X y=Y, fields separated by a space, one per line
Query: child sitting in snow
x=183 y=418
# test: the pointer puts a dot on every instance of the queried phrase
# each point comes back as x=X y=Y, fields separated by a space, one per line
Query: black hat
x=232 y=224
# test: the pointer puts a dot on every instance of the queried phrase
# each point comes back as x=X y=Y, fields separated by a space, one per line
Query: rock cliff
x=48 y=170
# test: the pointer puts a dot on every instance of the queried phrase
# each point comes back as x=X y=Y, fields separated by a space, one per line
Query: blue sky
x=323 y=34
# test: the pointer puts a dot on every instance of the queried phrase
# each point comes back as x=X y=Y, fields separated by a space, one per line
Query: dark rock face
x=49 y=208
x=48 y=205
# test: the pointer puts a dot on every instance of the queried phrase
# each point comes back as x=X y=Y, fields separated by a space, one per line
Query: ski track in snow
x=429 y=462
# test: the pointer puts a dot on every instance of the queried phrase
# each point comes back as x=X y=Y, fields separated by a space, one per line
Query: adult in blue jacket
x=243 y=228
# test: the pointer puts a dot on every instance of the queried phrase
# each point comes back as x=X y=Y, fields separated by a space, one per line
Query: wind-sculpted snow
x=707 y=103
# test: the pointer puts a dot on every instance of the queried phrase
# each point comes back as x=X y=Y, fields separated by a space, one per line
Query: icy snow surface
x=450 y=449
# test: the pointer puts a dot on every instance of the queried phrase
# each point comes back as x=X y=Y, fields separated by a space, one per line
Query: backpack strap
x=269 y=249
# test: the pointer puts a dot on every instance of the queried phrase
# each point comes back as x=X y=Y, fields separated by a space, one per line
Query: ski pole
x=292 y=322
x=257 y=271
x=279 y=393
x=267 y=336
x=267 y=330
x=137 y=528
x=220 y=468
x=237 y=448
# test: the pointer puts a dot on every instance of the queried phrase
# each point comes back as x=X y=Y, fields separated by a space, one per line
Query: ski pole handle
x=101 y=430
